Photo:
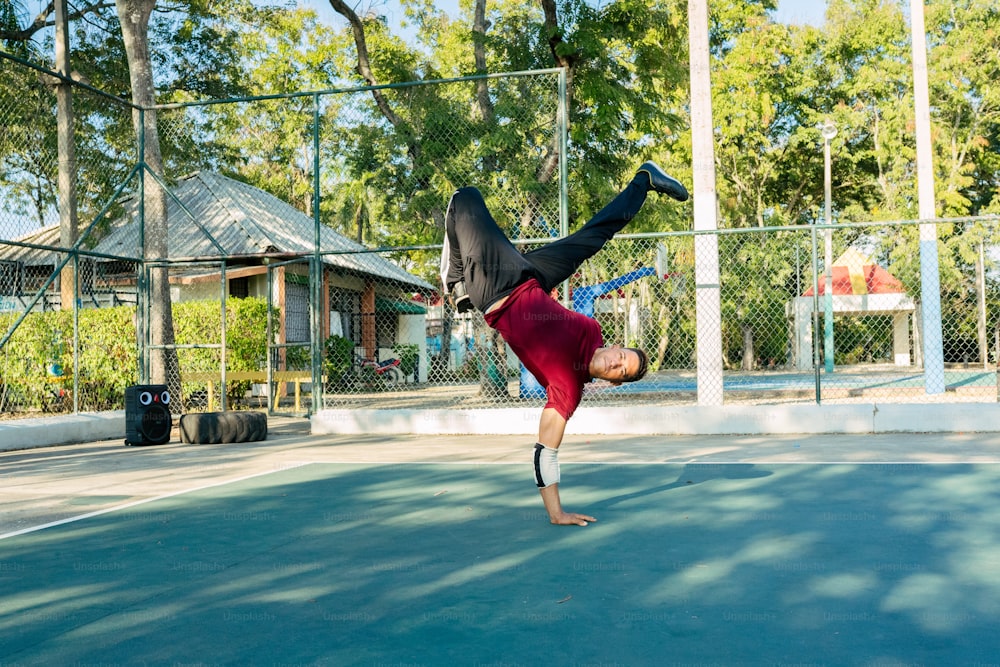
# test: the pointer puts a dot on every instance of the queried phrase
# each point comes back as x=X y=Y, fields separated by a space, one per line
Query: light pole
x=829 y=131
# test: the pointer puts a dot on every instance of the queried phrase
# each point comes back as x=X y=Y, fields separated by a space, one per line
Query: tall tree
x=425 y=142
x=624 y=63
x=965 y=69
x=963 y=83
x=134 y=18
x=68 y=232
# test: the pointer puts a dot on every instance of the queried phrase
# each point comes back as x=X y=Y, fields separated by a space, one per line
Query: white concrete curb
x=61 y=430
x=857 y=418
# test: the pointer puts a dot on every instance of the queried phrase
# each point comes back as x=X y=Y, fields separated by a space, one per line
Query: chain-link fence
x=67 y=331
x=333 y=173
x=772 y=332
x=303 y=238
x=62 y=360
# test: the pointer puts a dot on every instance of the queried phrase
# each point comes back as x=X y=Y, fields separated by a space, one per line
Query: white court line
x=116 y=508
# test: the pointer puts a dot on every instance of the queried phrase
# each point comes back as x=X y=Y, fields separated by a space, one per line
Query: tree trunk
x=163 y=365
x=493 y=366
x=748 y=354
x=68 y=232
x=550 y=166
x=483 y=101
x=441 y=362
x=479 y=54
x=491 y=354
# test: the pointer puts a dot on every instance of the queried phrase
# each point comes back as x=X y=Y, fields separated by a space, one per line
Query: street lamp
x=829 y=131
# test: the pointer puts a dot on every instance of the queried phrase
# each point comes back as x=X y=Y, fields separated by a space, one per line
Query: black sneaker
x=659 y=181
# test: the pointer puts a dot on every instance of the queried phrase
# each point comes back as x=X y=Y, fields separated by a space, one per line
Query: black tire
x=210 y=428
x=392 y=376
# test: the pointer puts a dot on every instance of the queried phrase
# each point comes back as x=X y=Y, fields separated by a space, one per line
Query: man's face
x=615 y=364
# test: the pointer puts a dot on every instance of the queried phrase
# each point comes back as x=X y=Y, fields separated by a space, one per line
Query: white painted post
x=706 y=246
x=930 y=279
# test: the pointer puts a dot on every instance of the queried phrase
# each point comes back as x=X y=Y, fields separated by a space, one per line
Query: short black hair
x=640 y=372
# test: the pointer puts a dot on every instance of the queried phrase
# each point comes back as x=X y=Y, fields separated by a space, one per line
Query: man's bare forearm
x=551 y=428
x=553 y=505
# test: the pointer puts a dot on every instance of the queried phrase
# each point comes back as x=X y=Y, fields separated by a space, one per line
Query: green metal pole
x=144 y=289
x=316 y=273
x=828 y=253
x=270 y=336
x=223 y=292
x=76 y=333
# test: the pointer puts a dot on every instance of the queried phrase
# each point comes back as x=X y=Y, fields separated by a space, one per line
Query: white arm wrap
x=546 y=466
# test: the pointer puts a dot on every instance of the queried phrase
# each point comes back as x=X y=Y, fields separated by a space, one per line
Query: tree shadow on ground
x=455 y=564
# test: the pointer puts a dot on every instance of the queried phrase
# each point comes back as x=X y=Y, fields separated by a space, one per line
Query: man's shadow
x=695 y=473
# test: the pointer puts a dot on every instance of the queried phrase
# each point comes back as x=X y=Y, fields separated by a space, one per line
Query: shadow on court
x=430 y=564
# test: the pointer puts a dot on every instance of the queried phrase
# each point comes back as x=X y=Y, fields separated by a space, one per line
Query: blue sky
x=801 y=11
x=789 y=11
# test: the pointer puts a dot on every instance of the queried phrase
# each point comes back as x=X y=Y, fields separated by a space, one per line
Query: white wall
x=412 y=329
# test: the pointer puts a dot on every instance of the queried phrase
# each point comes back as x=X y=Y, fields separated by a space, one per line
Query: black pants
x=478 y=252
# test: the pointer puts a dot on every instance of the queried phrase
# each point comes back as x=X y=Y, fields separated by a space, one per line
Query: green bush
x=298 y=358
x=198 y=322
x=408 y=355
x=108 y=357
x=108 y=361
x=338 y=359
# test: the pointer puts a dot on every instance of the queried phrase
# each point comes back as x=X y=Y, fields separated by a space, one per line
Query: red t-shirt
x=554 y=343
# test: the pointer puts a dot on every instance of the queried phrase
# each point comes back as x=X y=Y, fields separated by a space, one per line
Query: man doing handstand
x=564 y=350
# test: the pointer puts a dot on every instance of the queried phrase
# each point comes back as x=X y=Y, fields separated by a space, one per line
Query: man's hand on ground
x=572 y=519
x=550 y=494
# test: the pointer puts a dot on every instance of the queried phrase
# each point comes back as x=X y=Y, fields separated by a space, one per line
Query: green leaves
x=391 y=175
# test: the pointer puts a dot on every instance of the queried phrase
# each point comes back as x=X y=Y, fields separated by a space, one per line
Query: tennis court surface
x=335 y=550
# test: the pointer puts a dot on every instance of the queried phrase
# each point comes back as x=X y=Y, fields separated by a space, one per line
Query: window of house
x=296 y=310
x=9 y=278
x=386 y=323
x=36 y=276
x=239 y=287
x=347 y=306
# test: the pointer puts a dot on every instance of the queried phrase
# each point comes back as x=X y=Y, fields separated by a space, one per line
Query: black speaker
x=147 y=414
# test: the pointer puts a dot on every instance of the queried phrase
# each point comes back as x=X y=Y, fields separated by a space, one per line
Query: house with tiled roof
x=265 y=241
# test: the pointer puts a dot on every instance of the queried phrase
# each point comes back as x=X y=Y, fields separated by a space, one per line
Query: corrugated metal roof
x=242 y=219
x=46 y=236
